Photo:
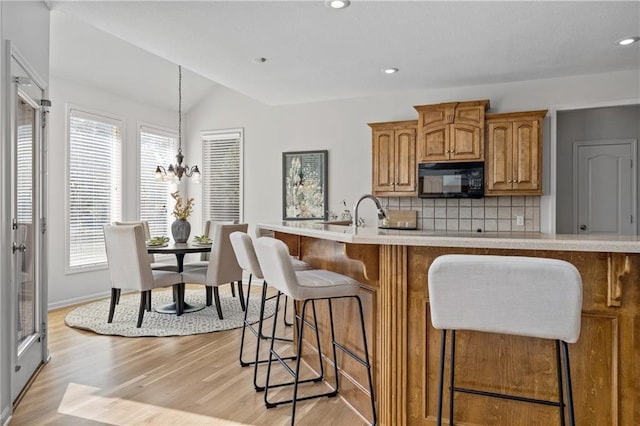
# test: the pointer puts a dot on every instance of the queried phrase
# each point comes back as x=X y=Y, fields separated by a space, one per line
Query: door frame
x=634 y=175
x=550 y=158
x=8 y=295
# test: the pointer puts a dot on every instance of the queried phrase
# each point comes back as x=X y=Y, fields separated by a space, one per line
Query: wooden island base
x=605 y=362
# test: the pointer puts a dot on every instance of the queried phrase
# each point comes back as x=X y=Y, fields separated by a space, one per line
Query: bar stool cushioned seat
x=308 y=287
x=522 y=296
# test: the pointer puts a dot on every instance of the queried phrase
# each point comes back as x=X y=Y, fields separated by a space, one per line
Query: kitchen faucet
x=381 y=214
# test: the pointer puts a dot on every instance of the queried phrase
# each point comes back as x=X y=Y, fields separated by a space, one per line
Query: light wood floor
x=190 y=380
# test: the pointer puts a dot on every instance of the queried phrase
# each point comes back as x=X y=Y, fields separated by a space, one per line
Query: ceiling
x=316 y=53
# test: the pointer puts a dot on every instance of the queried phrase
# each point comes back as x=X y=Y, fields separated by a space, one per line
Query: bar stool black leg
x=443 y=346
x=567 y=373
x=245 y=324
x=298 y=359
x=315 y=327
x=284 y=317
x=452 y=370
x=368 y=362
x=333 y=346
x=273 y=334
x=560 y=390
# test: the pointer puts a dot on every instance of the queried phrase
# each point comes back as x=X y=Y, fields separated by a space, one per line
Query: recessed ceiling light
x=338 y=4
x=390 y=70
x=627 y=41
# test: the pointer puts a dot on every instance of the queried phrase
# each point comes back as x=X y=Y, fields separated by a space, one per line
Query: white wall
x=341 y=127
x=65 y=289
x=26 y=24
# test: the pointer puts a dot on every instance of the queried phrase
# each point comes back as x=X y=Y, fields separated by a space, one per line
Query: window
x=222 y=175
x=157 y=148
x=95 y=182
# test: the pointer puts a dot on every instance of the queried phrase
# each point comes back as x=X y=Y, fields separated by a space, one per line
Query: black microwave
x=451 y=180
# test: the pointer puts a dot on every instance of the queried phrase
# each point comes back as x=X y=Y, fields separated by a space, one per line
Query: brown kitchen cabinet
x=514 y=153
x=394 y=158
x=452 y=131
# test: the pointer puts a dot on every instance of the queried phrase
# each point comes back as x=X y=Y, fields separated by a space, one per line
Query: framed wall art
x=304 y=185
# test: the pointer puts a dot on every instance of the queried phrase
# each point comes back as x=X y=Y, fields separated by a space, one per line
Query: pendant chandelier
x=175 y=172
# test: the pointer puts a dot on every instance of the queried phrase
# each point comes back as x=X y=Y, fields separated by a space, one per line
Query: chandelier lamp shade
x=175 y=171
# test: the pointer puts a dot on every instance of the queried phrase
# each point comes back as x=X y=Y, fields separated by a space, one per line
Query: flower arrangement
x=182 y=212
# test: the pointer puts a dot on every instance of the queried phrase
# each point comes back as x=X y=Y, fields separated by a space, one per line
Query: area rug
x=93 y=316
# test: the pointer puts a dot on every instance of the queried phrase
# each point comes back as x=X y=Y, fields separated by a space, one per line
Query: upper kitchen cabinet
x=452 y=131
x=514 y=153
x=394 y=158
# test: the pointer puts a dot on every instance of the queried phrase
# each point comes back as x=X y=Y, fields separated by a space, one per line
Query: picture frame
x=305 y=185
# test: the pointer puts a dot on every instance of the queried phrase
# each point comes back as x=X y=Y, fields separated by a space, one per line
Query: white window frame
x=222 y=135
x=107 y=117
x=161 y=131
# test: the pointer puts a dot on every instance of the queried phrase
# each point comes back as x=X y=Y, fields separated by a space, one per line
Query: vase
x=180 y=229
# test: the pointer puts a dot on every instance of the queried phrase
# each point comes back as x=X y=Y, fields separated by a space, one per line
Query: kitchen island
x=392 y=267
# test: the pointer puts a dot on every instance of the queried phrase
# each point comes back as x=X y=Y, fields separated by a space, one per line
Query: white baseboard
x=6 y=416
x=78 y=300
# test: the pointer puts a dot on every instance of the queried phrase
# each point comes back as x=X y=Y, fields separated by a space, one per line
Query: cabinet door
x=405 y=154
x=467 y=133
x=465 y=142
x=383 y=160
x=498 y=167
x=434 y=144
x=526 y=155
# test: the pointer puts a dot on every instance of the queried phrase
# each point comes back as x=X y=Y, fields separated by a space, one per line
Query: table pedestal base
x=171 y=308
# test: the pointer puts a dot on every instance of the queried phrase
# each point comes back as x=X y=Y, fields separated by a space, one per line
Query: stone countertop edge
x=497 y=240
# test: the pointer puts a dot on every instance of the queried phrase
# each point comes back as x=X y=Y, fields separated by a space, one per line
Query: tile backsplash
x=488 y=214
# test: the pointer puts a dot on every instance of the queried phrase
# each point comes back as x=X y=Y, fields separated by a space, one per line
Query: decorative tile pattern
x=489 y=214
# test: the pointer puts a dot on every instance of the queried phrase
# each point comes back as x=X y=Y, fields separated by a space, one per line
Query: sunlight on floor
x=84 y=402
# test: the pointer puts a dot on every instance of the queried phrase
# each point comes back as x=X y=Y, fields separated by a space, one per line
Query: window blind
x=95 y=182
x=157 y=148
x=222 y=175
x=26 y=135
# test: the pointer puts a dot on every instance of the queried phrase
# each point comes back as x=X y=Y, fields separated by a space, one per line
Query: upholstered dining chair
x=222 y=267
x=203 y=262
x=160 y=266
x=129 y=267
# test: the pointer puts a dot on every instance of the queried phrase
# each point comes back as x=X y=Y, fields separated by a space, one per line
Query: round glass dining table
x=179 y=250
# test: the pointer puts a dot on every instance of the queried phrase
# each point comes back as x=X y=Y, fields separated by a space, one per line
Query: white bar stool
x=248 y=261
x=305 y=287
x=521 y=296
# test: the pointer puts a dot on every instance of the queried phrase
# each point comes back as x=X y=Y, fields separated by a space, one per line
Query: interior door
x=28 y=295
x=605 y=187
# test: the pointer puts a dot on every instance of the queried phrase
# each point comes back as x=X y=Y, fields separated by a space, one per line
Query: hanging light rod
x=175 y=172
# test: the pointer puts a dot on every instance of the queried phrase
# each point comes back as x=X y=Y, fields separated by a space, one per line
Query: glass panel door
x=27 y=293
x=26 y=307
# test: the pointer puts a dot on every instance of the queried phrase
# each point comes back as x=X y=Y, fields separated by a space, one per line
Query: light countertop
x=499 y=240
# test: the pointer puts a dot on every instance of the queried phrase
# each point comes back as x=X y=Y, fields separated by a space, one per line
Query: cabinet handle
x=509 y=181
